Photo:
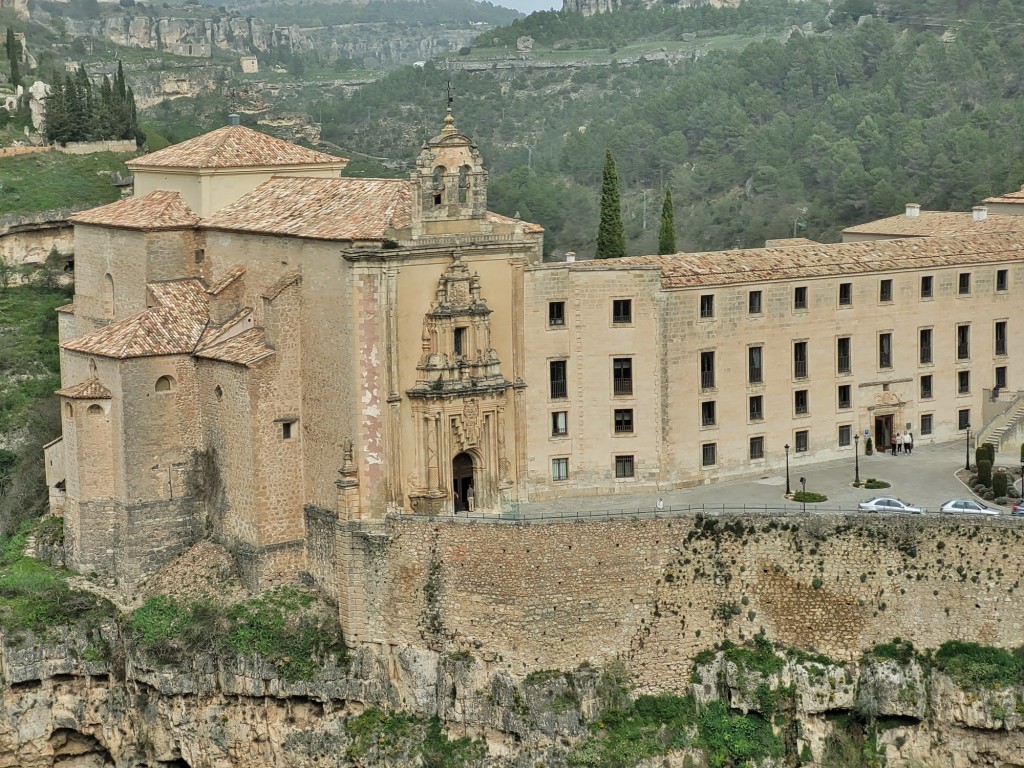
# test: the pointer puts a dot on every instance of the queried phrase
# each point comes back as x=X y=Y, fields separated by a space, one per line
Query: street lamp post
x=786 y=446
x=856 y=458
x=967 y=463
x=803 y=490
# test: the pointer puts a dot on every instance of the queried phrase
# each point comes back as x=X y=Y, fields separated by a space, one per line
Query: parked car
x=1018 y=508
x=888 y=504
x=968 y=506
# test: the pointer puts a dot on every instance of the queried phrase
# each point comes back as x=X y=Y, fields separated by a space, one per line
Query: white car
x=888 y=504
x=968 y=506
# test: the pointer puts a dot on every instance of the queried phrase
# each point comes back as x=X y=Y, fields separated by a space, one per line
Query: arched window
x=165 y=384
x=463 y=183
x=438 y=183
x=95 y=410
x=108 y=295
x=69 y=410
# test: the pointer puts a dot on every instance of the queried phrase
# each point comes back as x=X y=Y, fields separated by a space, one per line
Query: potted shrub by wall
x=868 y=448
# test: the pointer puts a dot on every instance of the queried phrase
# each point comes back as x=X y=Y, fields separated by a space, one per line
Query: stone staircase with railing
x=1006 y=422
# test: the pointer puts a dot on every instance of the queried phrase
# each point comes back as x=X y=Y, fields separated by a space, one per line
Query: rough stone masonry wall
x=657 y=591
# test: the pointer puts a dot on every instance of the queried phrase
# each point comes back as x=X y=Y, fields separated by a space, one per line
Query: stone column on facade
x=395 y=495
x=349 y=506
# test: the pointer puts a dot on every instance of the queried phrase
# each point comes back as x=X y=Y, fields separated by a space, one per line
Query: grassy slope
x=46 y=180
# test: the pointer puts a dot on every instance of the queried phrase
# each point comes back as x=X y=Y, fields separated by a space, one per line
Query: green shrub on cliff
x=974 y=666
x=284 y=627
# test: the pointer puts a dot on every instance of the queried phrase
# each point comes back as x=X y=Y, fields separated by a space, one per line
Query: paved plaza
x=927 y=478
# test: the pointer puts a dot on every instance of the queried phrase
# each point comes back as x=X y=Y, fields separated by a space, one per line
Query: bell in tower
x=449 y=184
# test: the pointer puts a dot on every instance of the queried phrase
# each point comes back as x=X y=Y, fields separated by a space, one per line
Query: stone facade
x=284 y=359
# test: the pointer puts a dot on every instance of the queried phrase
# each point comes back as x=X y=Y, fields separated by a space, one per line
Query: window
x=622 y=375
x=623 y=466
x=963 y=342
x=1002 y=279
x=95 y=410
x=755 y=370
x=1000 y=377
x=964 y=284
x=754 y=302
x=460 y=341
x=463 y=183
x=843 y=364
x=559 y=369
x=926 y=387
x=69 y=410
x=559 y=423
x=1001 y=337
x=801 y=441
x=709 y=454
x=623 y=420
x=560 y=469
x=707 y=370
x=756 y=448
x=845 y=294
x=556 y=313
x=845 y=436
x=885 y=350
x=963 y=418
x=756 y=408
x=963 y=382
x=800 y=402
x=926 y=424
x=844 y=396
x=800 y=297
x=924 y=346
x=164 y=384
x=286 y=430
x=622 y=311
x=707 y=413
x=926 y=286
x=800 y=359
x=707 y=305
x=885 y=290
x=199 y=255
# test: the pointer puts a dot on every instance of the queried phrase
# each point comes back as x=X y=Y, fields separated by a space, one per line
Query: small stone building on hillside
x=266 y=352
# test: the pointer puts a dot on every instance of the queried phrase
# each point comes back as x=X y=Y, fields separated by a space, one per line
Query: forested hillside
x=825 y=129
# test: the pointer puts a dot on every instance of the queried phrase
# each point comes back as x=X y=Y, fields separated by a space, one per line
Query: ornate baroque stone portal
x=459 y=400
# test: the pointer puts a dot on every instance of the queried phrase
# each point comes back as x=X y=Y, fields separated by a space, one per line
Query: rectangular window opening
x=622 y=375
x=560 y=469
x=756 y=408
x=558 y=372
x=800 y=359
x=885 y=290
x=707 y=305
x=963 y=418
x=1000 y=335
x=556 y=313
x=1000 y=377
x=623 y=466
x=926 y=387
x=926 y=424
x=843 y=362
x=1002 y=280
x=622 y=311
x=755 y=368
x=709 y=454
x=845 y=400
x=559 y=423
x=964 y=284
x=754 y=303
x=800 y=297
x=963 y=342
x=845 y=294
x=926 y=286
x=801 y=441
x=963 y=382
x=925 y=346
x=800 y=402
x=757 y=447
x=707 y=370
x=623 y=420
x=885 y=350
x=845 y=435
x=707 y=413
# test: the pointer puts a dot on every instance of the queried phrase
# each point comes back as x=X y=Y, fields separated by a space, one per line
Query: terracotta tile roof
x=289 y=278
x=321 y=209
x=171 y=328
x=227 y=279
x=247 y=348
x=234 y=146
x=787 y=242
x=157 y=210
x=938 y=224
x=1009 y=197
x=66 y=308
x=686 y=270
x=528 y=226
x=90 y=389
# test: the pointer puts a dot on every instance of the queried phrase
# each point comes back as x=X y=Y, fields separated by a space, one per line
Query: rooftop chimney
x=570 y=257
x=233 y=119
x=913 y=210
x=979 y=213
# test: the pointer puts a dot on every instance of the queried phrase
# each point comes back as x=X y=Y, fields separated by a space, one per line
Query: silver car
x=968 y=506
x=888 y=504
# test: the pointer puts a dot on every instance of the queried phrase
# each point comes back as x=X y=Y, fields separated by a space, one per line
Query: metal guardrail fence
x=515 y=514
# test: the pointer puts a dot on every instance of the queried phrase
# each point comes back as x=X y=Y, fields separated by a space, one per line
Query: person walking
x=893 y=442
x=908 y=442
x=471 y=499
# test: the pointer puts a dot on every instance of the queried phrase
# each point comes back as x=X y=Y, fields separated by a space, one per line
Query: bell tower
x=449 y=184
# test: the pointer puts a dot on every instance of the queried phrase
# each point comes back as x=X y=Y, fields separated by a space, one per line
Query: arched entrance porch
x=463 y=479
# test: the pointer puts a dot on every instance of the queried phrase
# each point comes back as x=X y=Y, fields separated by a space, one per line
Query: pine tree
x=611 y=241
x=13 y=48
x=667 y=232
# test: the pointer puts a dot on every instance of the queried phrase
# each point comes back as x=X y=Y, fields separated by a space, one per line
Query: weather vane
x=450 y=97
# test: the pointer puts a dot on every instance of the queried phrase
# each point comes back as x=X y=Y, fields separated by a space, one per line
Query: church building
x=263 y=351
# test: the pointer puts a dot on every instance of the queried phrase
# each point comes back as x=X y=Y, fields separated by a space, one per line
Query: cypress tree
x=611 y=242
x=667 y=232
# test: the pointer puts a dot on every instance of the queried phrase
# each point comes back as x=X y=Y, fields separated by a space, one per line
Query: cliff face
x=372 y=44
x=86 y=698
